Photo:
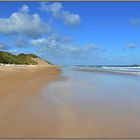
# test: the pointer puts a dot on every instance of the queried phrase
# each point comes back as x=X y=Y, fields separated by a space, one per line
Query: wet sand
x=20 y=88
x=81 y=105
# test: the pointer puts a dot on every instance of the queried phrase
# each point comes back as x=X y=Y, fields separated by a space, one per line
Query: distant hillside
x=21 y=59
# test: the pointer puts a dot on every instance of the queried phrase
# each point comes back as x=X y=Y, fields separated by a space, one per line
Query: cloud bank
x=56 y=9
x=22 y=23
x=65 y=50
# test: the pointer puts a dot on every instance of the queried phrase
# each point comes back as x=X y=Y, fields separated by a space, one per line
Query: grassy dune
x=21 y=59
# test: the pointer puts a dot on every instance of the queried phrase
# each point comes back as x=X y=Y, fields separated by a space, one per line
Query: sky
x=73 y=33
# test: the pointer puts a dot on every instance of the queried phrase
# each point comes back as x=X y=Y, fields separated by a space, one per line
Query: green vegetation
x=49 y=62
x=21 y=59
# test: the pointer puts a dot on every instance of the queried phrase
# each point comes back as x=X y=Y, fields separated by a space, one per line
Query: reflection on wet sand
x=83 y=105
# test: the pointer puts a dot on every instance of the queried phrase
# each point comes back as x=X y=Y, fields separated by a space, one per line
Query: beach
x=68 y=103
x=20 y=86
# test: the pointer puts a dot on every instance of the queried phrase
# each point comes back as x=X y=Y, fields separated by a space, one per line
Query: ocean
x=135 y=70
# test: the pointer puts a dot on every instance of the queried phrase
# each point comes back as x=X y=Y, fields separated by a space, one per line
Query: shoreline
x=64 y=103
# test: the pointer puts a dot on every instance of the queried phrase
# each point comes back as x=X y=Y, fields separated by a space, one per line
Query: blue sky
x=67 y=33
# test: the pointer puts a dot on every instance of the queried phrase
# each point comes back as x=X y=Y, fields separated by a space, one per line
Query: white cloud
x=23 y=23
x=70 y=19
x=24 y=8
x=62 y=49
x=52 y=41
x=39 y=42
x=54 y=7
x=57 y=11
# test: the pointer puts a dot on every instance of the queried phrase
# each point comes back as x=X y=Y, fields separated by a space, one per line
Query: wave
x=116 y=69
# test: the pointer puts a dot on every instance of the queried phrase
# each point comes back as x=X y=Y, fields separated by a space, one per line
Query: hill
x=21 y=59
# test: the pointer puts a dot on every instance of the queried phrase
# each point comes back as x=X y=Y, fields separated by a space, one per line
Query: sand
x=19 y=86
x=64 y=103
